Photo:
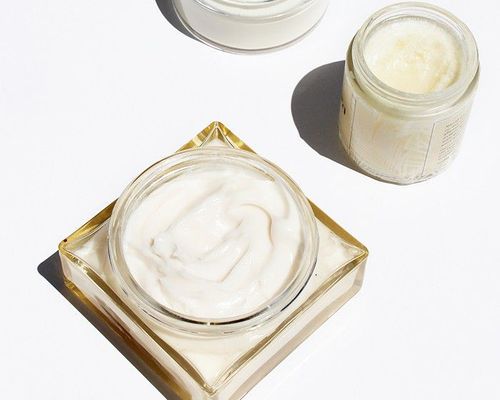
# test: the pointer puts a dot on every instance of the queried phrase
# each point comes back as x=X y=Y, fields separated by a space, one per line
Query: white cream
x=248 y=25
x=217 y=242
x=414 y=55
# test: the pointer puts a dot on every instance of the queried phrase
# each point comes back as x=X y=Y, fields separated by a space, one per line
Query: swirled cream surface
x=214 y=242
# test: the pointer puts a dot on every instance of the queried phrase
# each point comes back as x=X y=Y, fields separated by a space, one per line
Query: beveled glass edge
x=244 y=51
x=94 y=277
x=216 y=130
x=114 y=324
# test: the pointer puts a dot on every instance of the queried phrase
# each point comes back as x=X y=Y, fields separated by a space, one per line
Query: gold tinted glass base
x=225 y=367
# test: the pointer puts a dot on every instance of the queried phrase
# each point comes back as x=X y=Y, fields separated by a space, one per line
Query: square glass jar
x=217 y=367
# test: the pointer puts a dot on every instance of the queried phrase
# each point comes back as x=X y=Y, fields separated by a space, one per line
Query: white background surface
x=92 y=92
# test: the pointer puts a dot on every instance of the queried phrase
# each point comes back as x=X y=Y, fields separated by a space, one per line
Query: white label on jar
x=395 y=147
x=444 y=142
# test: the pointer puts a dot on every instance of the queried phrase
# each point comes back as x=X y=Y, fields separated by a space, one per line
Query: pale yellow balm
x=414 y=55
x=411 y=74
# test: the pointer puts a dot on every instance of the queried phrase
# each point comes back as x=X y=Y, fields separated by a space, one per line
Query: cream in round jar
x=217 y=242
x=414 y=55
x=249 y=25
x=410 y=78
x=213 y=236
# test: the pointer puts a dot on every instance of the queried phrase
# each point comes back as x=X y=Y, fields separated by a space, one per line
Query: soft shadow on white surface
x=315 y=111
x=167 y=9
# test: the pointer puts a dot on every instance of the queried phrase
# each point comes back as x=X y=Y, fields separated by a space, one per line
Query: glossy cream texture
x=217 y=242
x=213 y=357
x=414 y=55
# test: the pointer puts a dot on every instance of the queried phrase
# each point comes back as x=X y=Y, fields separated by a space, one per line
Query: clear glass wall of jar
x=404 y=137
x=249 y=25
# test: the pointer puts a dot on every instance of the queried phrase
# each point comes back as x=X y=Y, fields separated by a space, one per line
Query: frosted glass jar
x=249 y=25
x=395 y=135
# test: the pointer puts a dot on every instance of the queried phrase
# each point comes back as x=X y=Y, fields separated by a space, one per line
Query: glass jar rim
x=166 y=316
x=427 y=102
x=258 y=10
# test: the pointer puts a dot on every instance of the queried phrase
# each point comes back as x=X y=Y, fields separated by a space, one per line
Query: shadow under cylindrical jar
x=409 y=82
x=249 y=25
x=212 y=241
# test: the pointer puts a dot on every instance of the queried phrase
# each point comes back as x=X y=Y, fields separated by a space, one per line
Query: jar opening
x=256 y=10
x=445 y=24
x=194 y=288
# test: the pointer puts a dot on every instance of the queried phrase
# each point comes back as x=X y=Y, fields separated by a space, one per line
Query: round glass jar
x=181 y=165
x=249 y=25
x=395 y=135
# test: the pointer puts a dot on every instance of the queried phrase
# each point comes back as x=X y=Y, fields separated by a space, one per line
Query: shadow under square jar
x=411 y=74
x=212 y=241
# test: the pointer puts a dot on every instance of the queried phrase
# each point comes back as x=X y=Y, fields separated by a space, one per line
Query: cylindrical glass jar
x=249 y=25
x=177 y=166
x=398 y=136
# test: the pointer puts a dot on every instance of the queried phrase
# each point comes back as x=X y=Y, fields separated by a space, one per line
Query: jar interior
x=414 y=54
x=191 y=237
x=431 y=17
